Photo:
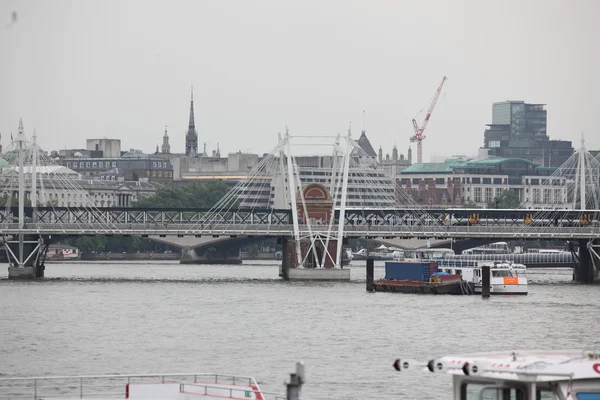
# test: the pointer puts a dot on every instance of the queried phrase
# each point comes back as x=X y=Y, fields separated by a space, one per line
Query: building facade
x=60 y=186
x=519 y=130
x=482 y=181
x=132 y=166
x=109 y=148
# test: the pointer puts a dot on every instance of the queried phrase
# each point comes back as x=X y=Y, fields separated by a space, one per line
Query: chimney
x=457 y=191
x=421 y=186
x=431 y=190
x=451 y=189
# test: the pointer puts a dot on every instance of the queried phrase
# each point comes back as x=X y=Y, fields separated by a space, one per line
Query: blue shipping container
x=413 y=271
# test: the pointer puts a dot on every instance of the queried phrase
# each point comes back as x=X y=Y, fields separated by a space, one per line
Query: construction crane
x=418 y=137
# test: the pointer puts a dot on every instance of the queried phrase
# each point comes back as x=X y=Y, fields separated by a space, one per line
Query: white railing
x=226 y=392
x=95 y=386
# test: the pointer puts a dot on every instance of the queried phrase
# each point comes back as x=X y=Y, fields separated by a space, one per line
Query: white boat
x=182 y=386
x=518 y=375
x=61 y=252
x=505 y=277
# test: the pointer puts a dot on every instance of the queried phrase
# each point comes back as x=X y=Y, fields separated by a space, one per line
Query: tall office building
x=518 y=130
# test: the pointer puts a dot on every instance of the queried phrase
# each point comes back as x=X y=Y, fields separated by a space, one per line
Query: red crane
x=418 y=137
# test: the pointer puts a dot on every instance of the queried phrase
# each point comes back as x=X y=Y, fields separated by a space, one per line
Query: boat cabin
x=518 y=375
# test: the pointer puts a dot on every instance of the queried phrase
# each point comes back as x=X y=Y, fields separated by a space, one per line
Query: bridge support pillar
x=589 y=261
x=189 y=255
x=285 y=260
x=26 y=257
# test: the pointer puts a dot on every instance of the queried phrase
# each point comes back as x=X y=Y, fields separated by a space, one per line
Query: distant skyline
x=76 y=70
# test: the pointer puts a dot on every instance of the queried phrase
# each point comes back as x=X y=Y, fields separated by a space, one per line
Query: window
x=536 y=196
x=547 y=194
x=489 y=194
x=558 y=196
x=94 y=164
x=154 y=164
x=497 y=181
x=164 y=165
x=535 y=181
x=487 y=181
x=475 y=391
x=68 y=165
x=101 y=164
x=87 y=164
x=81 y=164
x=476 y=180
x=477 y=195
x=114 y=164
x=588 y=396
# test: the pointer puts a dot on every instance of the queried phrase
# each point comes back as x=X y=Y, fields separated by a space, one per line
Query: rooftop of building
x=365 y=144
x=450 y=164
x=518 y=102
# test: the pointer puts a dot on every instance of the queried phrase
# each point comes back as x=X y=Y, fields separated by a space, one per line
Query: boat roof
x=516 y=365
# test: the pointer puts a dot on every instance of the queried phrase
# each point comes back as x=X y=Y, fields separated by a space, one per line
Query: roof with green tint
x=434 y=168
x=450 y=164
x=493 y=161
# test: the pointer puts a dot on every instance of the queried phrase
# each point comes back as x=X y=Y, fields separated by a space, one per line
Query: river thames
x=141 y=317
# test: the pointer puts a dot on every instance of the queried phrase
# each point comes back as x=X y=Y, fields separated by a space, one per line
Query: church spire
x=192 y=124
x=191 y=138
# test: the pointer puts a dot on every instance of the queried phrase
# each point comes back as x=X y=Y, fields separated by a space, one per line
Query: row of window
x=491 y=181
x=92 y=164
x=108 y=164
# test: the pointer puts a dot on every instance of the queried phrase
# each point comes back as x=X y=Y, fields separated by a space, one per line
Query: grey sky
x=122 y=69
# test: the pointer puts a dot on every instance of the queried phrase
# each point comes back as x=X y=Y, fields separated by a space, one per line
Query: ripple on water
x=111 y=318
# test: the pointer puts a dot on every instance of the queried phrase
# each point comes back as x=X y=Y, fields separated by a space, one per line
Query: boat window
x=545 y=394
x=479 y=391
x=502 y=272
x=588 y=396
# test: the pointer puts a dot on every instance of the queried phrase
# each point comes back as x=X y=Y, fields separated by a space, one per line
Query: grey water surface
x=148 y=317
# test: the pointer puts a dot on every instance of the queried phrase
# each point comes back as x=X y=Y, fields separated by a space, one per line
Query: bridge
x=462 y=223
x=316 y=217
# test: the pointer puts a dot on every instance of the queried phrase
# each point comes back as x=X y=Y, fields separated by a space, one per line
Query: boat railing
x=226 y=392
x=90 y=386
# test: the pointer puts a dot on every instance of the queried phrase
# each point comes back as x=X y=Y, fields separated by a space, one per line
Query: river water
x=147 y=317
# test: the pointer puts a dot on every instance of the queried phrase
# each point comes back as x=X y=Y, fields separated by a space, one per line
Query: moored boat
x=518 y=374
x=62 y=252
x=505 y=277
x=420 y=277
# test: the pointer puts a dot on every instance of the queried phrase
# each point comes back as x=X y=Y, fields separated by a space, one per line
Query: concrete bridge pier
x=218 y=255
x=285 y=260
x=26 y=257
x=587 y=270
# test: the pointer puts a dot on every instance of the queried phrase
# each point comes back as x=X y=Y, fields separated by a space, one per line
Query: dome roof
x=78 y=154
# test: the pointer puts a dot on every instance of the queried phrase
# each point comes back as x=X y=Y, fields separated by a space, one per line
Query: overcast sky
x=123 y=69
